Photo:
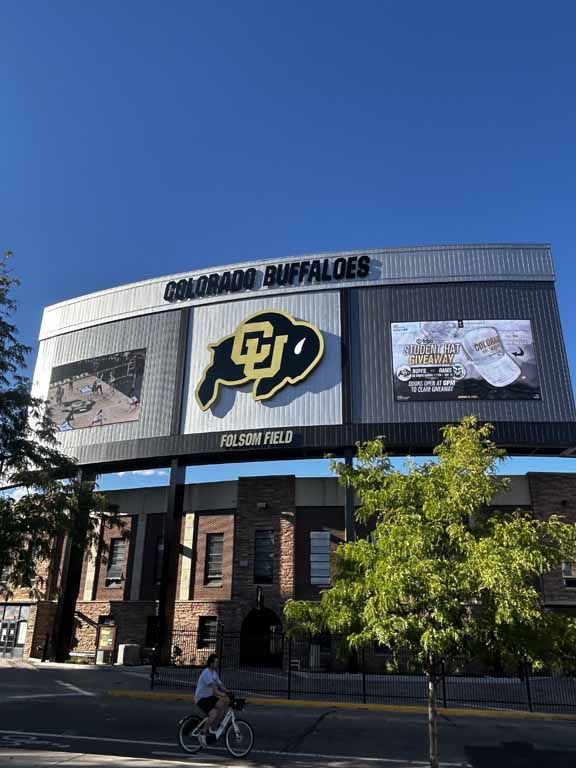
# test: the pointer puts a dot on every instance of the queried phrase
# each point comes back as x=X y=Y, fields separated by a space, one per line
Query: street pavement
x=62 y=714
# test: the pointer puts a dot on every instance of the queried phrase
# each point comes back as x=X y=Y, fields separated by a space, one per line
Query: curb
x=503 y=714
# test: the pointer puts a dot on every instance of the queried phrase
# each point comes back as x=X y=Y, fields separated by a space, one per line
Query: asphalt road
x=66 y=712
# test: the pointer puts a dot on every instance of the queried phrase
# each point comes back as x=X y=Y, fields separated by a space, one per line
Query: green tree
x=443 y=573
x=45 y=500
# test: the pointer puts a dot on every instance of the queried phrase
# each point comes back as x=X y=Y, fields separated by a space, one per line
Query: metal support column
x=63 y=627
x=167 y=596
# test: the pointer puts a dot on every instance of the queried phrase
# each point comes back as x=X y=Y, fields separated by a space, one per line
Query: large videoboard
x=310 y=355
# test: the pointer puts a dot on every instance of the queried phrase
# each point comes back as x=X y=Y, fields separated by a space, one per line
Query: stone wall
x=265 y=503
x=213 y=523
x=129 y=616
x=39 y=629
x=555 y=494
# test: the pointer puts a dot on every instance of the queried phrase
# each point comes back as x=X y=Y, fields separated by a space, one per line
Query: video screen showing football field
x=98 y=391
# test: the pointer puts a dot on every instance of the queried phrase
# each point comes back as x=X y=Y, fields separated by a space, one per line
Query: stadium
x=283 y=359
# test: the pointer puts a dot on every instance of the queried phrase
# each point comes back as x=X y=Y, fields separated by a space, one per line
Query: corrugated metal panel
x=388 y=265
x=159 y=334
x=318 y=400
x=372 y=311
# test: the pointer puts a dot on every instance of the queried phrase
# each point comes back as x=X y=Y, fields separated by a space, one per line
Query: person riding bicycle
x=211 y=696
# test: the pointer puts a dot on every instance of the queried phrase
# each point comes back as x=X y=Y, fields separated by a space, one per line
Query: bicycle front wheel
x=188 y=741
x=239 y=738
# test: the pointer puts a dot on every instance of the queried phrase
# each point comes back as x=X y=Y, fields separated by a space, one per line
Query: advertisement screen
x=98 y=391
x=464 y=360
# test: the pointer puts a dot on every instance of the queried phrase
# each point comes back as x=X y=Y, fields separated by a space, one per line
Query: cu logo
x=270 y=348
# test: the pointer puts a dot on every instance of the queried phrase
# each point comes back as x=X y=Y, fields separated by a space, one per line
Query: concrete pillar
x=186 y=557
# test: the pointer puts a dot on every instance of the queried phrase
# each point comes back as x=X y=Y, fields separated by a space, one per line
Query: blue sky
x=143 y=138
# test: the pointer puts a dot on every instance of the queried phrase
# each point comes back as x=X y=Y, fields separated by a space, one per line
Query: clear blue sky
x=143 y=138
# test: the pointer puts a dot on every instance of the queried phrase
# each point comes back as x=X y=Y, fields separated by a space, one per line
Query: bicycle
x=239 y=735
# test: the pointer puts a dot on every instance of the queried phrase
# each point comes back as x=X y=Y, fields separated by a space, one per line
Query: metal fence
x=302 y=669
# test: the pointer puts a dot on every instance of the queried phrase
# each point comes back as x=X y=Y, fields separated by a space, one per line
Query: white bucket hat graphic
x=485 y=349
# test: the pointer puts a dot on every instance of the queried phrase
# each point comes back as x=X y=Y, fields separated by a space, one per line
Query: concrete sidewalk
x=43 y=759
x=32 y=758
x=29 y=759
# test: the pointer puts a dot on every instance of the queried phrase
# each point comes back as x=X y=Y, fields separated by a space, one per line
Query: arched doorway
x=261 y=639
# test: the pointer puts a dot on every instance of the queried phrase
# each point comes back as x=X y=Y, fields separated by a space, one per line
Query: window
x=214 y=557
x=158 y=559
x=320 y=558
x=264 y=557
x=569 y=573
x=207 y=627
x=116 y=562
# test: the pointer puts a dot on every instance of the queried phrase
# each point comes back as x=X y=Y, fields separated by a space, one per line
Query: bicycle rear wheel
x=188 y=742
x=239 y=739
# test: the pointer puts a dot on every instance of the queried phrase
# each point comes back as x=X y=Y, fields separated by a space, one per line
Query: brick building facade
x=245 y=548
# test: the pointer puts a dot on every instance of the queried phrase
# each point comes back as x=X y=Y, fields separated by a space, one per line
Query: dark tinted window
x=116 y=562
x=264 y=557
x=214 y=559
x=207 y=627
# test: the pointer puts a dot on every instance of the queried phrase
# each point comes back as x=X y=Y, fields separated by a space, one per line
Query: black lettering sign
x=170 y=291
x=269 y=275
x=181 y=287
x=315 y=271
x=237 y=280
x=225 y=282
x=274 y=276
x=212 y=287
x=201 y=285
x=363 y=266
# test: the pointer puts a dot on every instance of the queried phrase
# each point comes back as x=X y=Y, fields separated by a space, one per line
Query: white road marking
x=93 y=738
x=71 y=757
x=35 y=696
x=312 y=755
x=30 y=741
x=75 y=688
x=316 y=755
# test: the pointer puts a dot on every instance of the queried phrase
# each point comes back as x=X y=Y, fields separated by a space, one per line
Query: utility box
x=128 y=654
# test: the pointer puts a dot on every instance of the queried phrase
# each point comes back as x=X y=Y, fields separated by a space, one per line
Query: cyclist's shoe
x=202 y=740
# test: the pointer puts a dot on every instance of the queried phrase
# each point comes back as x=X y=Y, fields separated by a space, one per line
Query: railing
x=285 y=667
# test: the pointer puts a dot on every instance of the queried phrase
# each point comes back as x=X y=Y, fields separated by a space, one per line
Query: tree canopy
x=441 y=571
x=44 y=493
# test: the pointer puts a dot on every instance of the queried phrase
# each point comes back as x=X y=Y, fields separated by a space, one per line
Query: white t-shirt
x=205 y=681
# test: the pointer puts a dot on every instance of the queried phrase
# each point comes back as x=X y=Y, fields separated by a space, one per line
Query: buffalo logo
x=269 y=348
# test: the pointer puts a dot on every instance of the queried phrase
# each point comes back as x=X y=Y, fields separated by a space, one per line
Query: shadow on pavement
x=519 y=755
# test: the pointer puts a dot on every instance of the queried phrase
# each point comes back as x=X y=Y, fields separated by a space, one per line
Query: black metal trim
x=518 y=438
x=181 y=368
x=345 y=353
